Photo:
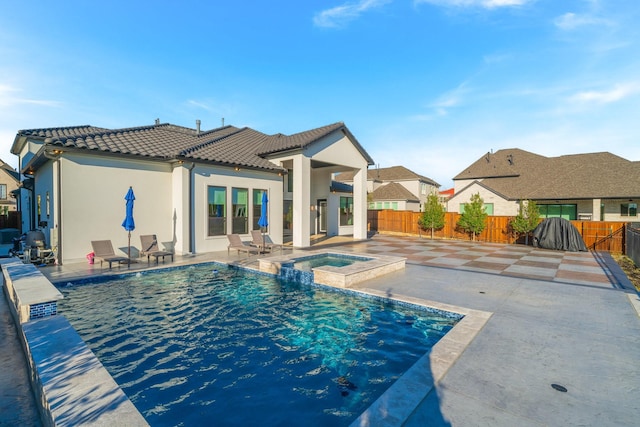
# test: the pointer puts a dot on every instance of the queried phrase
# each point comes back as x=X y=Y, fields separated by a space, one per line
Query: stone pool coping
x=372 y=266
x=400 y=400
x=71 y=385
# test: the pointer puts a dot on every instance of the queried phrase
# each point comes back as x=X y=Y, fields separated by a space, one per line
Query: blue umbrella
x=263 y=222
x=128 y=222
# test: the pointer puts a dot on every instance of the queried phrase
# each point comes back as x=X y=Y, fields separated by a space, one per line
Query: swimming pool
x=196 y=344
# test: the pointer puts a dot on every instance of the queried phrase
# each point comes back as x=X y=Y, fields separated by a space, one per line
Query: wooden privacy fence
x=11 y=220
x=599 y=235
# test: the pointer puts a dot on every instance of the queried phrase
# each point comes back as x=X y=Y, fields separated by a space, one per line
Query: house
x=9 y=182
x=395 y=188
x=445 y=195
x=192 y=187
x=592 y=186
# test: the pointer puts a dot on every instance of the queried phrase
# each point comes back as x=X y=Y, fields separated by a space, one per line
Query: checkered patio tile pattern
x=508 y=260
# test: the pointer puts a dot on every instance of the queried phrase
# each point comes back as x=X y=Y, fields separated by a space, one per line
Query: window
x=346 y=210
x=239 y=202
x=257 y=208
x=488 y=208
x=394 y=206
x=629 y=209
x=290 y=180
x=569 y=212
x=423 y=188
x=217 y=202
x=3 y=191
x=372 y=205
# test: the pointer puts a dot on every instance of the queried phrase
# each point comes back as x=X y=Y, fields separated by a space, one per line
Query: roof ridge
x=210 y=131
x=209 y=142
x=57 y=128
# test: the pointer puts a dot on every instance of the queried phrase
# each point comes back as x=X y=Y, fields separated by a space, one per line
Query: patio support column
x=301 y=201
x=360 y=204
x=597 y=214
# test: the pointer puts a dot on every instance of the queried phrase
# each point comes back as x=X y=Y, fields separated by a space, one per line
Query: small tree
x=527 y=219
x=473 y=219
x=433 y=216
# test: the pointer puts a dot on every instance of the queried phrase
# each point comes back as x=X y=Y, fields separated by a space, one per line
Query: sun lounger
x=103 y=250
x=150 y=248
x=236 y=243
x=263 y=241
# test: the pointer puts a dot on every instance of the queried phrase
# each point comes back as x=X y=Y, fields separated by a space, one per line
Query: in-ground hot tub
x=331 y=268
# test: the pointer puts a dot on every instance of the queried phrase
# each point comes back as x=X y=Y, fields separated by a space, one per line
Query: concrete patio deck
x=569 y=319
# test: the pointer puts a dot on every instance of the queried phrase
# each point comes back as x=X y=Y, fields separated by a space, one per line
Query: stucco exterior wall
x=205 y=176
x=93 y=205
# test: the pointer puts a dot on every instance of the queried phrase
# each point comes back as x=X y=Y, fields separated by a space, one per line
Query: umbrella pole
x=129 y=252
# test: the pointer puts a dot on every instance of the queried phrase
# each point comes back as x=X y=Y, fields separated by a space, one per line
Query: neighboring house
x=9 y=182
x=395 y=188
x=445 y=195
x=192 y=187
x=594 y=186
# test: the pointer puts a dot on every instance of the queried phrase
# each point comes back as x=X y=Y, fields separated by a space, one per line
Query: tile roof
x=60 y=131
x=393 y=191
x=279 y=142
x=518 y=174
x=224 y=145
x=391 y=174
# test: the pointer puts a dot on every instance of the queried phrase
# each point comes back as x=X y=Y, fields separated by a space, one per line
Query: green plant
x=433 y=216
x=473 y=219
x=527 y=219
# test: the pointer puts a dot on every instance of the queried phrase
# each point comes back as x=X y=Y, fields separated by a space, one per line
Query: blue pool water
x=200 y=346
x=334 y=260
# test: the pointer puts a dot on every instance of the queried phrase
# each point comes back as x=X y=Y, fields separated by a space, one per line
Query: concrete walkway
x=563 y=320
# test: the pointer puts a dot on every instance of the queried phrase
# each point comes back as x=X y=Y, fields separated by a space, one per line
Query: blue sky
x=429 y=84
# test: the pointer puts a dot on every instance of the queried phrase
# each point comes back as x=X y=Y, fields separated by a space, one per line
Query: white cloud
x=488 y=4
x=8 y=98
x=450 y=99
x=571 y=21
x=615 y=94
x=340 y=15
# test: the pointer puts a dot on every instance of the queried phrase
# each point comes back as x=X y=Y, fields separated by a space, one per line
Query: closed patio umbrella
x=128 y=222
x=263 y=221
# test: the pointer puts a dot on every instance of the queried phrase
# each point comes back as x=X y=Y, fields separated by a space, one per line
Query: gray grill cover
x=558 y=234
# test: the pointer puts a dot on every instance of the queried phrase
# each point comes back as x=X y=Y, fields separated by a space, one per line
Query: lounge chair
x=150 y=248
x=103 y=250
x=236 y=243
x=263 y=241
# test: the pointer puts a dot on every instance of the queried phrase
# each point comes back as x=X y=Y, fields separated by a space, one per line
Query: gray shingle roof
x=518 y=174
x=393 y=191
x=391 y=174
x=224 y=145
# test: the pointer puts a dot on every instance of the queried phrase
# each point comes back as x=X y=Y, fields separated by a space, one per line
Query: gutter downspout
x=59 y=210
x=192 y=240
